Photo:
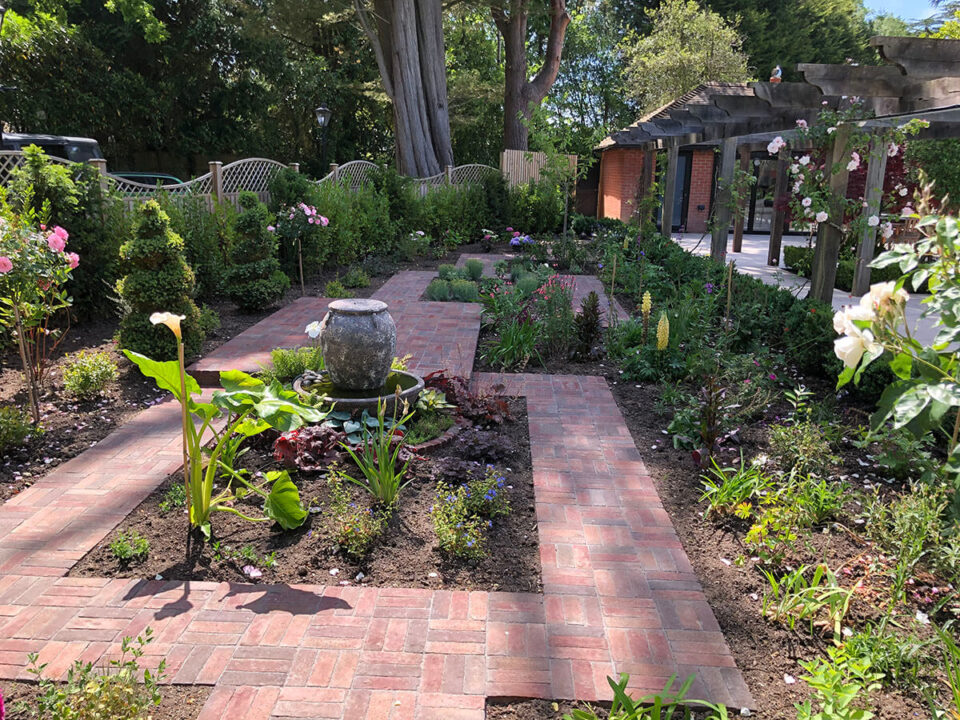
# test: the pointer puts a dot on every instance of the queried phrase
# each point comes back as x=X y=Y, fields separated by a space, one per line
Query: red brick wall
x=621 y=171
x=701 y=182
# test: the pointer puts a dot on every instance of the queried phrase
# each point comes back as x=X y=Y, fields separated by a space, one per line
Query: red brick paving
x=619 y=594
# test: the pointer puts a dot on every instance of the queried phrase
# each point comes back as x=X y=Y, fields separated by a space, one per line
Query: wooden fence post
x=216 y=180
x=448 y=170
x=742 y=204
x=779 y=210
x=876 y=169
x=101 y=165
x=721 y=225
x=295 y=167
x=827 y=253
x=335 y=169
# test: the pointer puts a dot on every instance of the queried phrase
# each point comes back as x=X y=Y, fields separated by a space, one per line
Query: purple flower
x=515 y=241
x=772 y=376
x=600 y=266
x=709 y=288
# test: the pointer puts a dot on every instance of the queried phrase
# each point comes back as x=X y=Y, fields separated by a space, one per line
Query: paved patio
x=753 y=261
x=619 y=594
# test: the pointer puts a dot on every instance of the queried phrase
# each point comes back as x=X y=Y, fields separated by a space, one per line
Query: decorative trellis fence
x=224 y=183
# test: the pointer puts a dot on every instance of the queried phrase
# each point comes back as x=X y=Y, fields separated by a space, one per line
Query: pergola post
x=876 y=169
x=738 y=223
x=721 y=225
x=779 y=209
x=669 y=190
x=829 y=235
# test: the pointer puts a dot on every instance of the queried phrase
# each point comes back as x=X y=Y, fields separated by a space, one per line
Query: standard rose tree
x=34 y=268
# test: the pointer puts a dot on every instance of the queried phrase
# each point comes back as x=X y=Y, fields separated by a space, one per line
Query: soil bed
x=766 y=653
x=404 y=556
x=180 y=702
x=70 y=427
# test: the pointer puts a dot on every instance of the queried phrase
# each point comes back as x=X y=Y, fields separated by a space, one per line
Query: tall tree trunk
x=407 y=39
x=520 y=95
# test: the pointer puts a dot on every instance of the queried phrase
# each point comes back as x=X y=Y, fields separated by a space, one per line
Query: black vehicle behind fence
x=75 y=149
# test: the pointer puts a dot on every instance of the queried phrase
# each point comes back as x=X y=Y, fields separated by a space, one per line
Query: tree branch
x=536 y=90
x=377 y=47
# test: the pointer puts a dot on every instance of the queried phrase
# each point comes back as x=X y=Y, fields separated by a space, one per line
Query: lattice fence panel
x=12 y=159
x=472 y=173
x=253 y=174
x=354 y=173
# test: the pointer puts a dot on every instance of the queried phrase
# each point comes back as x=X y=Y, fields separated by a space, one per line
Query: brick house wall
x=701 y=186
x=621 y=172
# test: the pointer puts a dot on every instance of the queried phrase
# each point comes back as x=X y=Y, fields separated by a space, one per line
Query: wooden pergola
x=920 y=80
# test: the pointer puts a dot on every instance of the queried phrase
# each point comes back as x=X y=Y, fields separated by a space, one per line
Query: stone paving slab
x=618 y=592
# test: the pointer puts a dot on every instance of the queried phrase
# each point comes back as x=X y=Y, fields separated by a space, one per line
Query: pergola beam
x=829 y=235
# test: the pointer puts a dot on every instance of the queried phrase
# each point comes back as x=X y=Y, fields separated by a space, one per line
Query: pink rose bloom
x=61 y=233
x=42 y=226
x=55 y=243
x=73 y=259
x=516 y=234
x=5 y=264
x=270 y=228
x=324 y=221
x=310 y=220
x=509 y=229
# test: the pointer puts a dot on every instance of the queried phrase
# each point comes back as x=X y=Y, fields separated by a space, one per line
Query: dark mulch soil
x=405 y=556
x=764 y=652
x=180 y=702
x=71 y=427
x=532 y=710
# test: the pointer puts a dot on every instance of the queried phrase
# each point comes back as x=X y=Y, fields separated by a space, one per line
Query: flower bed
x=406 y=553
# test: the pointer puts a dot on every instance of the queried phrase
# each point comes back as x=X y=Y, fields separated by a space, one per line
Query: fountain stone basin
x=358 y=341
x=410 y=386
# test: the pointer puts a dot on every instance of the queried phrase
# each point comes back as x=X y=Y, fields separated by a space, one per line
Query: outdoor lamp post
x=323 y=120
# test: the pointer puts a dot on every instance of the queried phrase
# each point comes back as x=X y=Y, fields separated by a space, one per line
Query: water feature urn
x=358 y=341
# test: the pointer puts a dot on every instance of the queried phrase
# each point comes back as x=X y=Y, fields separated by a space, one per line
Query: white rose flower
x=873 y=221
x=806 y=202
x=887 y=230
x=805 y=160
x=794 y=169
x=851 y=347
x=822 y=216
x=903 y=192
x=883 y=296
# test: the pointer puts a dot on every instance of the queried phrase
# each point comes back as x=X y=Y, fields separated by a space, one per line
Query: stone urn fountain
x=359 y=341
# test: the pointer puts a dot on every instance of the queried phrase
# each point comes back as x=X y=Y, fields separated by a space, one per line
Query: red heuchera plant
x=310 y=448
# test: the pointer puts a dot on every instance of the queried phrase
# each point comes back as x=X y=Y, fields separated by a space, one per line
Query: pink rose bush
x=34 y=270
x=304 y=245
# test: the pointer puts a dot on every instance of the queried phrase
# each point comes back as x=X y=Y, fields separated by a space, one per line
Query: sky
x=907 y=9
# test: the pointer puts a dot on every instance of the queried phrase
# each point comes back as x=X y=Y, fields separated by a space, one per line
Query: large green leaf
x=165 y=374
x=283 y=503
x=275 y=405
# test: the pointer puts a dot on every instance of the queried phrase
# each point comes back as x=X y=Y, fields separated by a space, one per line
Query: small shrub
x=355 y=528
x=526 y=285
x=85 y=375
x=414 y=246
x=122 y=691
x=458 y=532
x=446 y=271
x=487 y=495
x=356 y=278
x=588 y=327
x=733 y=490
x=158 y=279
x=803 y=447
x=255 y=281
x=427 y=425
x=515 y=347
x=474 y=269
x=15 y=428
x=485 y=446
x=209 y=320
x=464 y=291
x=798 y=259
x=289 y=363
x=174 y=497
x=438 y=290
x=129 y=546
x=336 y=289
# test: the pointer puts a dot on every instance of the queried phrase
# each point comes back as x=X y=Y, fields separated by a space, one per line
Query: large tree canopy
x=686 y=47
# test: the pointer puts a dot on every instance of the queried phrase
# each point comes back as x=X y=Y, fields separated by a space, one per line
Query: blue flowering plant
x=463 y=514
x=356 y=527
x=459 y=532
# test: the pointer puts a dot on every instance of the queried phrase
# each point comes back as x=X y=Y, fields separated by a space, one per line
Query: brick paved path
x=619 y=593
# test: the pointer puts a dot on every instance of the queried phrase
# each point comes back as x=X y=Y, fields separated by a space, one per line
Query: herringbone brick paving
x=618 y=591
